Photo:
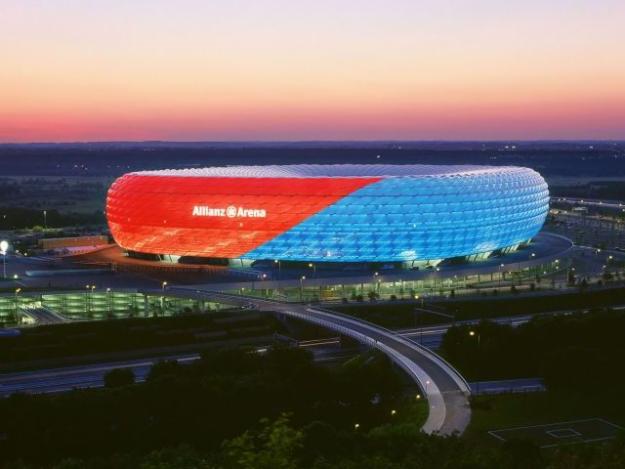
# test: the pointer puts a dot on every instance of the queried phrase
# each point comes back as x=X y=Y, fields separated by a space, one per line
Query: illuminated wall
x=339 y=213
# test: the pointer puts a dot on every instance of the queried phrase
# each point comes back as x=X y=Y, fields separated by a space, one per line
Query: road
x=610 y=204
x=522 y=385
x=41 y=315
x=85 y=376
x=446 y=390
x=55 y=380
x=432 y=336
x=68 y=378
x=91 y=375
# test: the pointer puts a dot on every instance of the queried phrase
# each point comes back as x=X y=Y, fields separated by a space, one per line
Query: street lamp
x=45 y=219
x=479 y=336
x=314 y=268
x=17 y=292
x=301 y=287
x=4 y=247
x=88 y=299
x=163 y=286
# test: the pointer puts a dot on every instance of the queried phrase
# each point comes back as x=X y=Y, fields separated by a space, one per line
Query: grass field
x=561 y=433
x=496 y=413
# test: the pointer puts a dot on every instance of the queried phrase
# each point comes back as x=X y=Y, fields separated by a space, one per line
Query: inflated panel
x=342 y=213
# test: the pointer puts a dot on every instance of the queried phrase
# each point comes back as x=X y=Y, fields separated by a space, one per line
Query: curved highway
x=446 y=390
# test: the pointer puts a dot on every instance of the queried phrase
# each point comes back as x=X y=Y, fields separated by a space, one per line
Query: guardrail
x=458 y=378
x=437 y=411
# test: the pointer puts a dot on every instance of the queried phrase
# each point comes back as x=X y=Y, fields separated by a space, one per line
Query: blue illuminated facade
x=415 y=213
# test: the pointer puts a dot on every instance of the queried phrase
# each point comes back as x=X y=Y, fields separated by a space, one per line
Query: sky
x=94 y=70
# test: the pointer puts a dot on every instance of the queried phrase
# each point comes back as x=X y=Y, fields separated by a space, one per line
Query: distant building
x=72 y=242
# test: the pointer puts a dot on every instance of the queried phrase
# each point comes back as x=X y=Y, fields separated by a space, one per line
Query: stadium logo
x=231 y=211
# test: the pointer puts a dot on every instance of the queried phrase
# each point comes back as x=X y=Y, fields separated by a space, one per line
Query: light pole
x=264 y=291
x=108 y=300
x=473 y=334
x=4 y=247
x=87 y=300
x=479 y=336
x=376 y=282
x=301 y=287
x=277 y=261
x=45 y=219
x=163 y=286
x=17 y=292
x=416 y=318
x=314 y=268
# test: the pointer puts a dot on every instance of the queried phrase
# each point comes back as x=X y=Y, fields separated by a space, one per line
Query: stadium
x=409 y=214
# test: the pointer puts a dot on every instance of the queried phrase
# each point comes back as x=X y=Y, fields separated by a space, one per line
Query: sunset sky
x=76 y=70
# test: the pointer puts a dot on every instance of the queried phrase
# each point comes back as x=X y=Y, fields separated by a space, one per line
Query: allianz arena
x=328 y=213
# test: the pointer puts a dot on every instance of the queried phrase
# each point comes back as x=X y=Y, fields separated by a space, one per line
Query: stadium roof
x=339 y=170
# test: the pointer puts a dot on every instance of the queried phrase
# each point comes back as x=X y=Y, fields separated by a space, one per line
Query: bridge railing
x=455 y=374
x=437 y=412
x=460 y=380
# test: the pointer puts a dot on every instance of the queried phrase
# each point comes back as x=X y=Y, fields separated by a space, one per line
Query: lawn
x=512 y=410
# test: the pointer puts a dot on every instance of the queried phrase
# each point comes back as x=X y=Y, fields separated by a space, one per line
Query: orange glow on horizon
x=280 y=71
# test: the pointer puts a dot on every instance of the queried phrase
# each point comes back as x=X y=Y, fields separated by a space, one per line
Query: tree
x=163 y=368
x=118 y=377
x=521 y=454
x=181 y=457
x=275 y=446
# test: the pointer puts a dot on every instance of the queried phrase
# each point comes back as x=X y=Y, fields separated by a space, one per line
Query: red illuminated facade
x=221 y=217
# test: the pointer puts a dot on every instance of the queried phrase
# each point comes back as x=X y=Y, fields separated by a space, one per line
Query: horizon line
x=315 y=141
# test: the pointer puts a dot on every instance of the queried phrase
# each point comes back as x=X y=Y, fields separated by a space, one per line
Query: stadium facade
x=328 y=213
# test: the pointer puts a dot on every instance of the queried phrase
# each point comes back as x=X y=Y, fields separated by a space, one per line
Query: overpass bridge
x=446 y=390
